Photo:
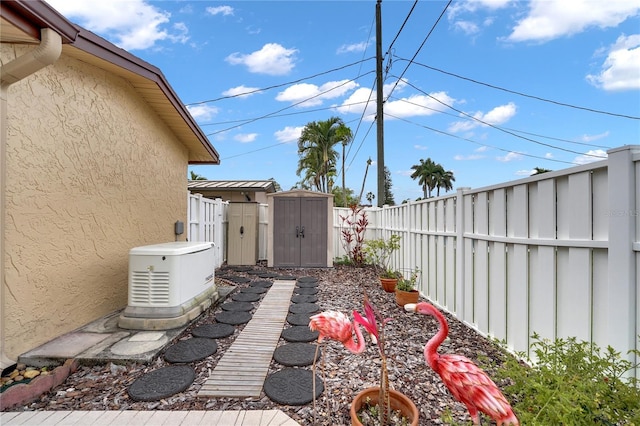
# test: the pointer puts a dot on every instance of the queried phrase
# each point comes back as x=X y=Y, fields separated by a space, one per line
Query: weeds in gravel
x=572 y=382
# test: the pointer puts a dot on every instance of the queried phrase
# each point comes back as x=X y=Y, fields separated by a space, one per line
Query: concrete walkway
x=149 y=418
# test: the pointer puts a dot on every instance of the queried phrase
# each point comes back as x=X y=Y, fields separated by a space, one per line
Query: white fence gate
x=557 y=254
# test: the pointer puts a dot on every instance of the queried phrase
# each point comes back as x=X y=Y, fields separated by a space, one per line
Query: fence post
x=622 y=214
x=460 y=259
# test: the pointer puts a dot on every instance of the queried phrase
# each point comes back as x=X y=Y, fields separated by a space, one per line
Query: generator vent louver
x=150 y=287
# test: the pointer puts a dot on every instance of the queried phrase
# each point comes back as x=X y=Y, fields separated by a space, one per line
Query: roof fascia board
x=31 y=16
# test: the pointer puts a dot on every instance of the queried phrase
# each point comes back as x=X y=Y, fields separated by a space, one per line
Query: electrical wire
x=632 y=117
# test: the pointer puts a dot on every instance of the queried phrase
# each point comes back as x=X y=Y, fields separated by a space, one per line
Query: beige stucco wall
x=91 y=173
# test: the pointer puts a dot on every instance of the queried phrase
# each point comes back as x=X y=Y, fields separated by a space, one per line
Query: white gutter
x=45 y=54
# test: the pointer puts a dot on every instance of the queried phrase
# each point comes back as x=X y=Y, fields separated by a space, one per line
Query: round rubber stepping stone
x=306 y=285
x=239 y=280
x=303 y=308
x=234 y=318
x=225 y=277
x=299 y=333
x=162 y=383
x=255 y=290
x=296 y=354
x=255 y=272
x=268 y=275
x=213 y=331
x=307 y=280
x=311 y=290
x=190 y=350
x=237 y=306
x=304 y=298
x=261 y=283
x=285 y=277
x=298 y=319
x=241 y=268
x=245 y=297
x=292 y=386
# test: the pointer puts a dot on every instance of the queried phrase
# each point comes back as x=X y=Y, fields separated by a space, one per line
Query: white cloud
x=591 y=138
x=482 y=148
x=289 y=134
x=353 y=48
x=620 y=70
x=548 y=155
x=468 y=157
x=220 y=10
x=497 y=116
x=524 y=172
x=130 y=24
x=591 y=156
x=272 y=59
x=420 y=147
x=548 y=20
x=240 y=91
x=245 y=137
x=511 y=156
x=467 y=27
x=311 y=95
x=202 y=112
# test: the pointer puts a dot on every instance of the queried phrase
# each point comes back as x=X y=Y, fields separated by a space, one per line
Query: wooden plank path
x=244 y=366
x=149 y=418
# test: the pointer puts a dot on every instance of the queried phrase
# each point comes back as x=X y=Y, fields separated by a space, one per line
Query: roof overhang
x=21 y=23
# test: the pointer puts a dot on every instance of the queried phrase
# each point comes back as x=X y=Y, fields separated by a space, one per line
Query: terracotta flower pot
x=404 y=297
x=398 y=402
x=389 y=284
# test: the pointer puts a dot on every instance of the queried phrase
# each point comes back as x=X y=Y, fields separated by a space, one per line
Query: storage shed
x=300 y=229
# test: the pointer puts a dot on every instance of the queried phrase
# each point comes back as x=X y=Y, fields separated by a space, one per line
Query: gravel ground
x=105 y=387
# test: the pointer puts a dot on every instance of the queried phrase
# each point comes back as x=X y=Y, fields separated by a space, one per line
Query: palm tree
x=318 y=156
x=539 y=170
x=425 y=173
x=443 y=179
x=364 y=180
x=195 y=176
x=388 y=195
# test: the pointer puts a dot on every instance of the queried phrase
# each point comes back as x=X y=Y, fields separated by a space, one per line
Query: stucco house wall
x=97 y=149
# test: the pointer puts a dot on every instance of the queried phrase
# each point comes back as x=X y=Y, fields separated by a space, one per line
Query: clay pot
x=404 y=297
x=389 y=284
x=397 y=400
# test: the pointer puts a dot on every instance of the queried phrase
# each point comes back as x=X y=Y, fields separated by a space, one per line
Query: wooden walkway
x=244 y=366
x=148 y=418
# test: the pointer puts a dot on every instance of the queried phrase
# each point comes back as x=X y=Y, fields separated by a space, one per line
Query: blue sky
x=490 y=90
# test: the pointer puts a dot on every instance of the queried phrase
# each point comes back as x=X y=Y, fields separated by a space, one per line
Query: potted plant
x=406 y=289
x=337 y=326
x=378 y=253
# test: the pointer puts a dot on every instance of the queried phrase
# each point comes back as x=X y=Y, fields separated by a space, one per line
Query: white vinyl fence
x=556 y=254
x=208 y=221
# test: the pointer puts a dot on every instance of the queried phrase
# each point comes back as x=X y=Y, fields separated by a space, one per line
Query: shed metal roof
x=232 y=185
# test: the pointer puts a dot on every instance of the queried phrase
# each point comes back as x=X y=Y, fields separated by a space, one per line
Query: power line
x=520 y=93
x=502 y=129
x=279 y=85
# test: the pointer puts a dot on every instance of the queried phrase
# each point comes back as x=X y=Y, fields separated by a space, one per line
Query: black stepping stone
x=239 y=280
x=261 y=283
x=255 y=272
x=213 y=331
x=304 y=298
x=237 y=306
x=286 y=277
x=268 y=275
x=162 y=383
x=241 y=268
x=245 y=297
x=254 y=290
x=190 y=350
x=306 y=285
x=299 y=290
x=292 y=386
x=225 y=277
x=307 y=280
x=303 y=308
x=296 y=354
x=234 y=318
x=299 y=333
x=298 y=319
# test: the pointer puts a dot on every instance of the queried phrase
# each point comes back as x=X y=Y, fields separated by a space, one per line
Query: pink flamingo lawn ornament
x=464 y=379
x=336 y=326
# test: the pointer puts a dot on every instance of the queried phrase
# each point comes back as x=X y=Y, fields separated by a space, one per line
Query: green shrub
x=572 y=383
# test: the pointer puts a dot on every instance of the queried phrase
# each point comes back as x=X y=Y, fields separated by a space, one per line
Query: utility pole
x=379 y=102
